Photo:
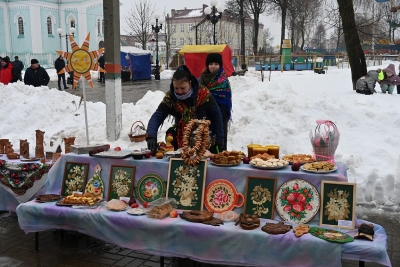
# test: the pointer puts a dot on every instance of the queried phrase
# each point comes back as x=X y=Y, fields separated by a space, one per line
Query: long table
x=226 y=244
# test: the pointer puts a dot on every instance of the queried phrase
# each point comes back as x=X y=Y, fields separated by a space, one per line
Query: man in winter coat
x=8 y=73
x=390 y=79
x=35 y=75
x=59 y=64
x=19 y=66
x=101 y=62
x=366 y=84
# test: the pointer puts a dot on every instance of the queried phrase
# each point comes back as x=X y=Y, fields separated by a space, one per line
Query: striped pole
x=113 y=69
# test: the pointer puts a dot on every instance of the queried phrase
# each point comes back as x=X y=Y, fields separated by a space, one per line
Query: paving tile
x=151 y=264
x=125 y=252
x=135 y=263
x=124 y=261
x=154 y=258
x=134 y=254
x=111 y=256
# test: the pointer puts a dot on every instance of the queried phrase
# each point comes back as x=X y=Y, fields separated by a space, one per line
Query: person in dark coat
x=186 y=100
x=35 y=75
x=59 y=64
x=102 y=62
x=8 y=73
x=19 y=66
x=215 y=79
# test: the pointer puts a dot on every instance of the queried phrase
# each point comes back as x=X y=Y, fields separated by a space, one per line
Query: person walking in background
x=8 y=73
x=186 y=100
x=59 y=64
x=398 y=86
x=19 y=66
x=214 y=78
x=390 y=79
x=35 y=75
x=102 y=62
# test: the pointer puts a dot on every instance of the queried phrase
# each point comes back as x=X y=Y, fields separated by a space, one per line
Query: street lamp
x=71 y=32
x=214 y=14
x=156 y=25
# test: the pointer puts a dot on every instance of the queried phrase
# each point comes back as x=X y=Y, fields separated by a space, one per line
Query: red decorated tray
x=221 y=195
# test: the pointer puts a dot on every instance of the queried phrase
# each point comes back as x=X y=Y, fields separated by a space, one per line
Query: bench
x=321 y=70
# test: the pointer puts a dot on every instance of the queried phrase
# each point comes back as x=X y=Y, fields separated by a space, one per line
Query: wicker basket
x=137 y=138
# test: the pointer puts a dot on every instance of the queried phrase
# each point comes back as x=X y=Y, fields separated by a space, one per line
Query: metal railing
x=46 y=60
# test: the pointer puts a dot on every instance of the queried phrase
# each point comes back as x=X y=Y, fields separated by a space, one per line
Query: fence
x=46 y=60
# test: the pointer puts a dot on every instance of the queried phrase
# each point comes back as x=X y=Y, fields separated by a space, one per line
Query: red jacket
x=6 y=74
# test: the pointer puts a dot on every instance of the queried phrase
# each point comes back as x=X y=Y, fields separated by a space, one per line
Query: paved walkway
x=74 y=249
x=131 y=91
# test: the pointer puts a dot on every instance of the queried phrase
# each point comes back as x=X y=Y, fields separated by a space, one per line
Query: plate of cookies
x=319 y=167
x=227 y=158
x=302 y=158
x=269 y=164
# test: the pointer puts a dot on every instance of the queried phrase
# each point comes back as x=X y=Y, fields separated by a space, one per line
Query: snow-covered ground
x=281 y=111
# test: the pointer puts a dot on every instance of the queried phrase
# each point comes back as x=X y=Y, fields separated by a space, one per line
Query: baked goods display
x=248 y=222
x=269 y=164
x=116 y=205
x=48 y=198
x=195 y=146
x=303 y=158
x=227 y=158
x=160 y=212
x=320 y=166
x=301 y=229
x=264 y=156
x=276 y=228
x=78 y=200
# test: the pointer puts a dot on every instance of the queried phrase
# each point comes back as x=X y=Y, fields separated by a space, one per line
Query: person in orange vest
x=8 y=72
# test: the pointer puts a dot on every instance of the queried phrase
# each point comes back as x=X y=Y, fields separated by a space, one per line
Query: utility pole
x=113 y=69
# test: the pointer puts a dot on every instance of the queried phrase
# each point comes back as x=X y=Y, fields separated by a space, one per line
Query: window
x=20 y=26
x=72 y=23
x=98 y=27
x=173 y=41
x=173 y=28
x=182 y=27
x=190 y=26
x=49 y=26
x=102 y=26
x=181 y=41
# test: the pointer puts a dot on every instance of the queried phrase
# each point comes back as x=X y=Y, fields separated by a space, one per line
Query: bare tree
x=354 y=50
x=280 y=6
x=138 y=21
x=256 y=7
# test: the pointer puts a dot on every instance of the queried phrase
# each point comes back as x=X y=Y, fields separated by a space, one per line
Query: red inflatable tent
x=195 y=57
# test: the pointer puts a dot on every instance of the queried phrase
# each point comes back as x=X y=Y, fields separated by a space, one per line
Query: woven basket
x=137 y=138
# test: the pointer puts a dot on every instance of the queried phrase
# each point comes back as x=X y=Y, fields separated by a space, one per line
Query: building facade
x=29 y=28
x=190 y=27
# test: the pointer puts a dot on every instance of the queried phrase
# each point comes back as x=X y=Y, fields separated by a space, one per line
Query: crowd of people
x=11 y=72
x=387 y=79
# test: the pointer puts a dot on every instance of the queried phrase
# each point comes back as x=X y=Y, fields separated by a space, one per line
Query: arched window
x=49 y=26
x=98 y=26
x=20 y=26
x=72 y=23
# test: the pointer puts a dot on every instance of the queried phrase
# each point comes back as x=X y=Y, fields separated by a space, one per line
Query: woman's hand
x=151 y=143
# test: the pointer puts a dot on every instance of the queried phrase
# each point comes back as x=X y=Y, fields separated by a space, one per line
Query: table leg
x=361 y=263
x=36 y=240
x=162 y=261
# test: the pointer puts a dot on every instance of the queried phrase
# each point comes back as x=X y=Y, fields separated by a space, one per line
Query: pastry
x=276 y=228
x=301 y=229
x=248 y=222
x=115 y=204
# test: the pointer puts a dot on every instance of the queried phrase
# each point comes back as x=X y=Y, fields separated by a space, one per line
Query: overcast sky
x=167 y=5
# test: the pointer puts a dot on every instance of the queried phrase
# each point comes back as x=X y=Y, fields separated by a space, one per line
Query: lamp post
x=71 y=32
x=156 y=25
x=214 y=14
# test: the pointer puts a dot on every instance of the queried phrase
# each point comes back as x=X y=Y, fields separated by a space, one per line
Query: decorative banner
x=81 y=61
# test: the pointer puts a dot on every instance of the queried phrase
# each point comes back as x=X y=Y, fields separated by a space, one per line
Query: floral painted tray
x=221 y=195
x=150 y=187
x=331 y=235
x=297 y=201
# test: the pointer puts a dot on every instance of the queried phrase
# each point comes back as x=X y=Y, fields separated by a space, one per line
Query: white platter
x=269 y=167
